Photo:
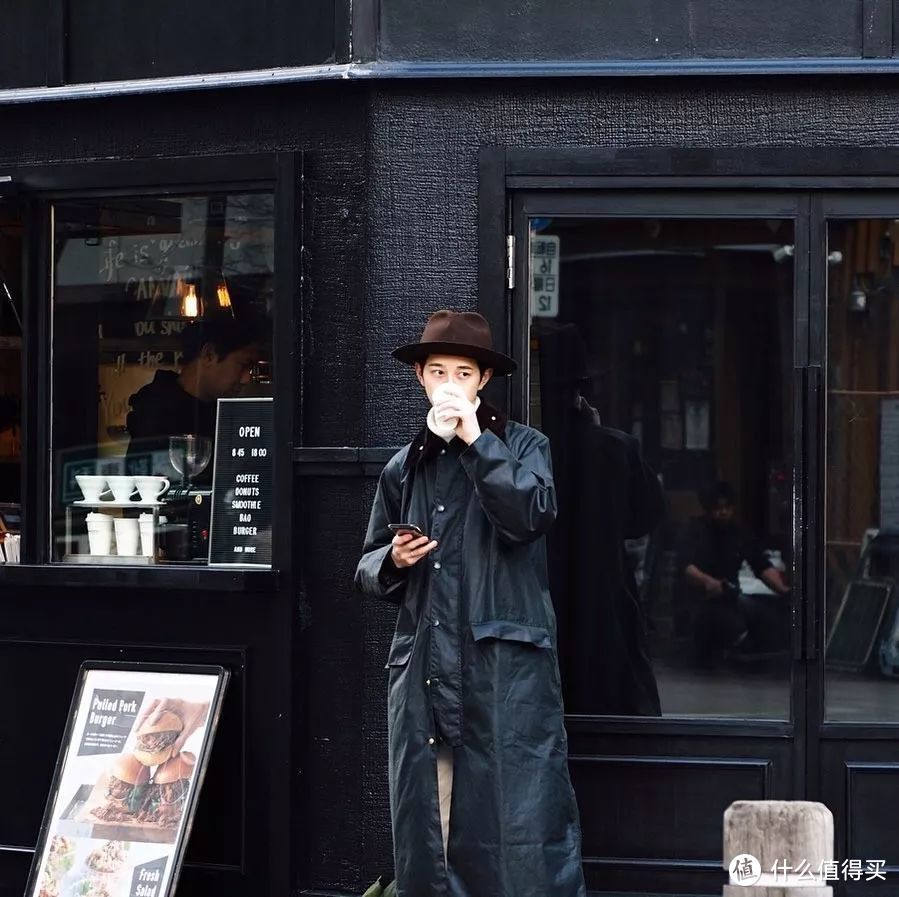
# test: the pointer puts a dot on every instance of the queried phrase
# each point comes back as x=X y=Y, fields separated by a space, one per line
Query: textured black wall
x=621 y=29
x=423 y=242
x=328 y=123
x=23 y=43
x=108 y=40
x=75 y=41
x=391 y=234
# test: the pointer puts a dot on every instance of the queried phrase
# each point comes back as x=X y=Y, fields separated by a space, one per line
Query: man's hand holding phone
x=409 y=545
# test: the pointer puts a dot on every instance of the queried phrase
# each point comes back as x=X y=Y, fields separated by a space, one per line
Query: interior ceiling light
x=223 y=296
x=190 y=304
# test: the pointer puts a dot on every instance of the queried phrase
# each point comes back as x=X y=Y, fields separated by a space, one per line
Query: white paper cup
x=127 y=533
x=122 y=487
x=147 y=535
x=99 y=533
x=151 y=488
x=92 y=487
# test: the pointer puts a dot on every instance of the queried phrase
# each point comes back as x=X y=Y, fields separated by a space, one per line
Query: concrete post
x=778 y=831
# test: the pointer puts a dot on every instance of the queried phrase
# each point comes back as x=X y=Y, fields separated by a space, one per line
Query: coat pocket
x=509 y=631
x=400 y=651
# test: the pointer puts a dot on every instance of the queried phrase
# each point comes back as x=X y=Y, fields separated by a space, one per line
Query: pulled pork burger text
x=154 y=742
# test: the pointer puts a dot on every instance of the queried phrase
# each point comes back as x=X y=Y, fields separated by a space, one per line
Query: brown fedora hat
x=464 y=333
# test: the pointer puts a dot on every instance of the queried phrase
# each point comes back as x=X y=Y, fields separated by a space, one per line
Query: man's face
x=462 y=372
x=222 y=378
x=722 y=513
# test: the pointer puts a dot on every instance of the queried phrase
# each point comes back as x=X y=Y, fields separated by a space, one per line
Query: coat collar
x=427 y=445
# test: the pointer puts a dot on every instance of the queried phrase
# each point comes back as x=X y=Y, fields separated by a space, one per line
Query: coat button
x=441 y=507
x=431 y=740
x=442 y=451
x=436 y=622
x=427 y=682
x=436 y=565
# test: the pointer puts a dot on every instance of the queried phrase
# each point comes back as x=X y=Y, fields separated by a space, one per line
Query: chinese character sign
x=544 y=276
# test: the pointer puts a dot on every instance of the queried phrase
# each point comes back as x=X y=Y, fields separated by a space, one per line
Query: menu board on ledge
x=125 y=788
x=240 y=531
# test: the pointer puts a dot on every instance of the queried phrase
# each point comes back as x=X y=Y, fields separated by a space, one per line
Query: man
x=607 y=494
x=481 y=801
x=725 y=621
x=218 y=355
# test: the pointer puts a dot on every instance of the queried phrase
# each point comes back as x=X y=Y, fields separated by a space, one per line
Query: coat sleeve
x=514 y=484
x=376 y=574
x=646 y=499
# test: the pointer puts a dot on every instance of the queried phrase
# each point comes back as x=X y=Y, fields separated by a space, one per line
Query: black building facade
x=719 y=185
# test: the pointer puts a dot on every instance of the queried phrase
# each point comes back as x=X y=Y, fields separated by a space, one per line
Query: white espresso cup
x=122 y=487
x=127 y=533
x=151 y=488
x=99 y=533
x=147 y=535
x=91 y=486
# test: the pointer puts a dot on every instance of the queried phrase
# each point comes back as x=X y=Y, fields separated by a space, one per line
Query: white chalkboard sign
x=240 y=531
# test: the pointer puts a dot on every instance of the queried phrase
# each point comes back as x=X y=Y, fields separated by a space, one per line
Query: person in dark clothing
x=607 y=493
x=480 y=794
x=724 y=620
x=218 y=355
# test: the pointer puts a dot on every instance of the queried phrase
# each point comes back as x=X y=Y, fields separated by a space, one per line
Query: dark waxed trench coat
x=514 y=829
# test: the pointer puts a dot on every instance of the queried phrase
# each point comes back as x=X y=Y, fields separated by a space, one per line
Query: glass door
x=12 y=280
x=860 y=556
x=662 y=336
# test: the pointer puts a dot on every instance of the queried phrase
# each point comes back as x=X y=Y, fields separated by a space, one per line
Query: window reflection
x=161 y=307
x=862 y=525
x=660 y=369
x=11 y=232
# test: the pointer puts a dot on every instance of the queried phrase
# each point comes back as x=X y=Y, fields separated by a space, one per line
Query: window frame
x=39 y=188
x=821 y=176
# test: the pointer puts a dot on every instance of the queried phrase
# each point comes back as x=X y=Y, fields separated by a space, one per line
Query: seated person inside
x=218 y=355
x=726 y=622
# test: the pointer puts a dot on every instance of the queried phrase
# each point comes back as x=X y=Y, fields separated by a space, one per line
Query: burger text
x=104 y=712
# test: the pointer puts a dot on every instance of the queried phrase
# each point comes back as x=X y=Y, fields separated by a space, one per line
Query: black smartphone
x=405 y=528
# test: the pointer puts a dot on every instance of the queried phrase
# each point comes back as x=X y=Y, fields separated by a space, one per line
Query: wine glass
x=189 y=455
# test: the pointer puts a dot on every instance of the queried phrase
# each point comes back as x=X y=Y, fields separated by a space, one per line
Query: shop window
x=10 y=379
x=161 y=313
x=671 y=339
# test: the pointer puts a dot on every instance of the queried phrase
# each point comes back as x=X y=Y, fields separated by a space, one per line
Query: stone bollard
x=778 y=831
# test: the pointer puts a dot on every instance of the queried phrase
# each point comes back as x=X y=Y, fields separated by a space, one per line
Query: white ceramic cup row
x=123 y=488
x=128 y=530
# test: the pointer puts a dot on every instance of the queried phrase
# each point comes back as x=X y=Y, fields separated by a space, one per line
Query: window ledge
x=168 y=578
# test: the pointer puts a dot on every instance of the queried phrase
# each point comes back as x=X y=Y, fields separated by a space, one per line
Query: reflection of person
x=607 y=494
x=191 y=713
x=218 y=355
x=474 y=703
x=711 y=556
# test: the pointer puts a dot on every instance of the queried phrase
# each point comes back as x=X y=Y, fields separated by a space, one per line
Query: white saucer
x=83 y=503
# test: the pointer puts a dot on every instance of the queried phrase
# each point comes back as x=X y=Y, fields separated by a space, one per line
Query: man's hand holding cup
x=451 y=404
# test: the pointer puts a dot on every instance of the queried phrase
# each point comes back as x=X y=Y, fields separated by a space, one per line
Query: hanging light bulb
x=190 y=304
x=224 y=297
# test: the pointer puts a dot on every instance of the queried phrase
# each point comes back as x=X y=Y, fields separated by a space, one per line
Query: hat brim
x=501 y=364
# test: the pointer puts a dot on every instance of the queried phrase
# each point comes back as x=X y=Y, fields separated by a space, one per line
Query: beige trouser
x=445 y=790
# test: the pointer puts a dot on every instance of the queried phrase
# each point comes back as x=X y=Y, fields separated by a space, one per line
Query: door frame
x=853 y=178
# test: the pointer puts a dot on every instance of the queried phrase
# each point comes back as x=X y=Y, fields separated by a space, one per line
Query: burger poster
x=127 y=780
